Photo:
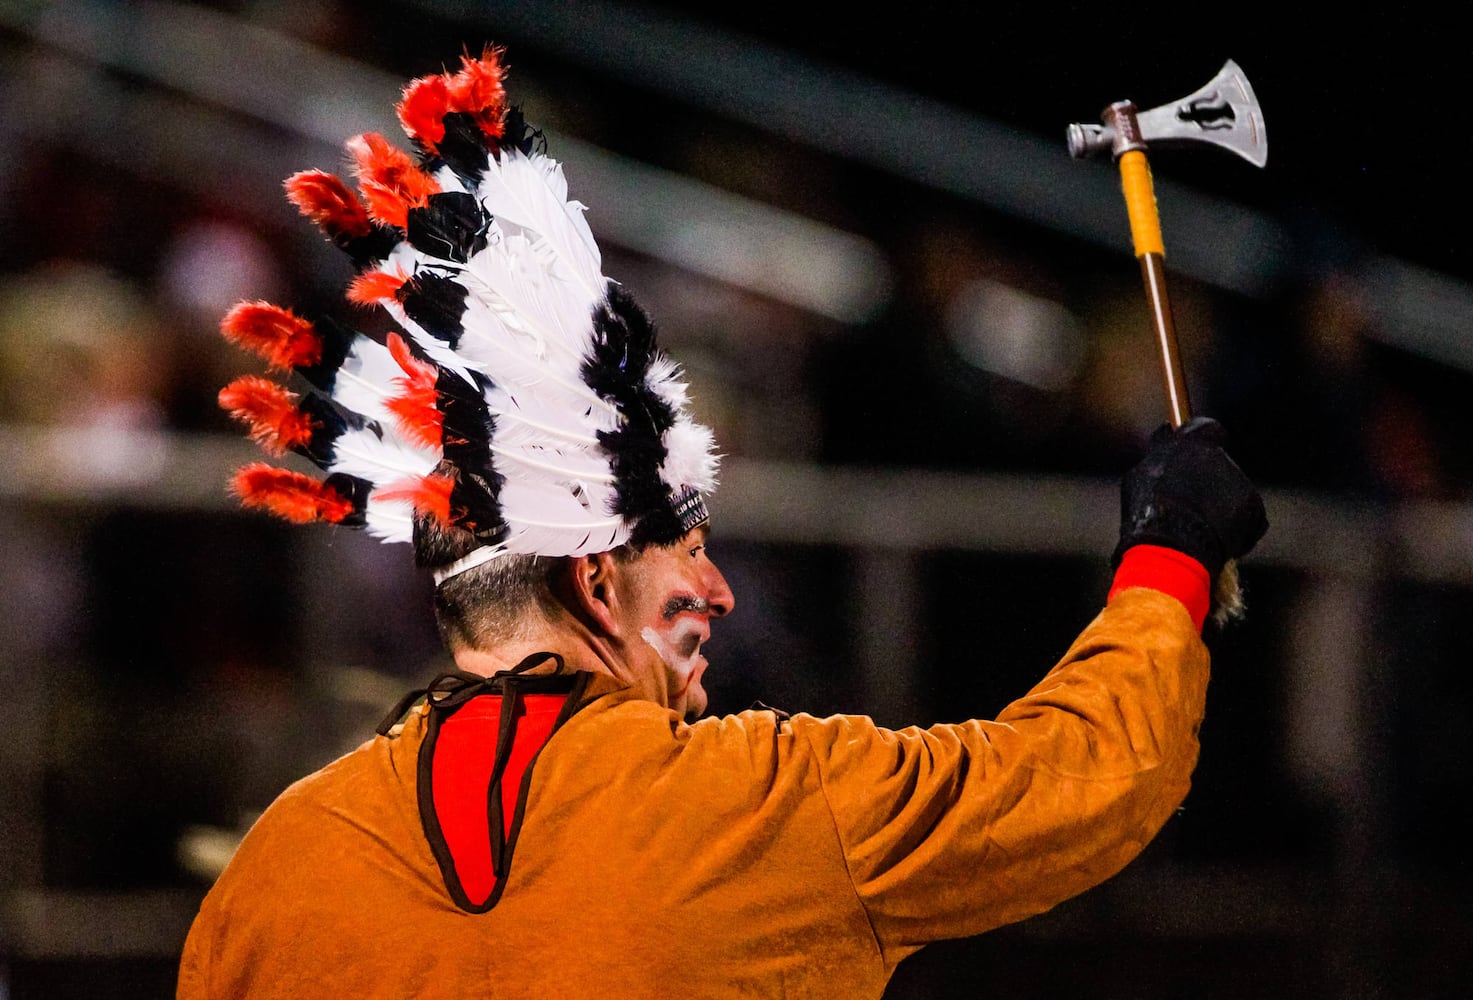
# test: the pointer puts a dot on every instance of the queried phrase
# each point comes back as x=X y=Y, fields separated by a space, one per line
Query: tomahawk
x=1225 y=114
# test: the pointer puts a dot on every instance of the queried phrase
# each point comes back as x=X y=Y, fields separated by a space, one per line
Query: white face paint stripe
x=683 y=669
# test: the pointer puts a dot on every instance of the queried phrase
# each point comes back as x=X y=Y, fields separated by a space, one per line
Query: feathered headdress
x=524 y=398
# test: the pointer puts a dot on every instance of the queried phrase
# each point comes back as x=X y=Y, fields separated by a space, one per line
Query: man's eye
x=695 y=550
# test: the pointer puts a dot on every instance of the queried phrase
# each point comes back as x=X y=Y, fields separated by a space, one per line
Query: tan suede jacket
x=744 y=856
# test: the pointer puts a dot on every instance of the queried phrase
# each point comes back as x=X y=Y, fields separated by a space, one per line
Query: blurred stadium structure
x=915 y=326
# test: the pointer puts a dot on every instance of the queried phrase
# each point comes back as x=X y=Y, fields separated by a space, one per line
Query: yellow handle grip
x=1140 y=203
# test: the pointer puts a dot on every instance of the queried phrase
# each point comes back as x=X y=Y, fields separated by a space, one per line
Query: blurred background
x=917 y=328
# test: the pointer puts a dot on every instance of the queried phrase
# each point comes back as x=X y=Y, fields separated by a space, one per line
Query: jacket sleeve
x=194 y=964
x=953 y=830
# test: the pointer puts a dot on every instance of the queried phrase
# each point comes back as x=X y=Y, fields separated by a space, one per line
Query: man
x=547 y=821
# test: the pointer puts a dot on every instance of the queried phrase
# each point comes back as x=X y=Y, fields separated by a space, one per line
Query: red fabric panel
x=465 y=755
x=1169 y=571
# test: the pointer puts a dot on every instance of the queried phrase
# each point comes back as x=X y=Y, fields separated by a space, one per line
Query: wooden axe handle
x=1145 y=234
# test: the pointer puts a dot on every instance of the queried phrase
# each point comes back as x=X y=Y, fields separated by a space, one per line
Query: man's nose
x=719 y=597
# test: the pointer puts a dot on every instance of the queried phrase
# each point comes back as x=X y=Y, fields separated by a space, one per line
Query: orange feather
x=290 y=495
x=270 y=411
x=479 y=90
x=427 y=494
x=279 y=335
x=327 y=201
x=423 y=108
x=390 y=180
x=372 y=287
x=415 y=409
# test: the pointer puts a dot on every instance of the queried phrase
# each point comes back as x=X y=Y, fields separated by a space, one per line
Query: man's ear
x=594 y=599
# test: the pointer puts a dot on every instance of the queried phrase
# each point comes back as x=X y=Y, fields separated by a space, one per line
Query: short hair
x=490 y=603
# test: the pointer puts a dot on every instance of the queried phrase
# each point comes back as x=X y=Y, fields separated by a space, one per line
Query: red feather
x=327 y=201
x=372 y=287
x=290 y=495
x=279 y=335
x=478 y=89
x=271 y=411
x=428 y=495
x=423 y=109
x=415 y=407
x=390 y=180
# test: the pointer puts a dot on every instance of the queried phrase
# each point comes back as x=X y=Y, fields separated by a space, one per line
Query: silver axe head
x=1223 y=113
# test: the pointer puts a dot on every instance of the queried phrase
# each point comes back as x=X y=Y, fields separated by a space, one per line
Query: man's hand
x=1187 y=495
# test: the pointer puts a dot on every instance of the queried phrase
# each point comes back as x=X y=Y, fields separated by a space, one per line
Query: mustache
x=685 y=602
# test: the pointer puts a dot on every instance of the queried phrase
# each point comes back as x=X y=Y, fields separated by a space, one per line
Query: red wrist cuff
x=1171 y=572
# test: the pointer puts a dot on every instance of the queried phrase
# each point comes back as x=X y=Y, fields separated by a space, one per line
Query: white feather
x=366 y=379
x=517 y=428
x=532 y=194
x=448 y=179
x=517 y=357
x=690 y=459
x=537 y=462
x=664 y=378
x=389 y=520
x=380 y=460
x=548 y=519
x=531 y=298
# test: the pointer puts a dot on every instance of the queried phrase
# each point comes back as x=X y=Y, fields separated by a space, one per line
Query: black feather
x=466 y=444
x=332 y=423
x=437 y=303
x=464 y=147
x=451 y=226
x=372 y=247
x=624 y=348
x=336 y=339
x=517 y=133
x=356 y=491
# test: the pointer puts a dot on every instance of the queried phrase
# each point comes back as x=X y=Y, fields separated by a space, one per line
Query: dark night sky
x=1364 y=112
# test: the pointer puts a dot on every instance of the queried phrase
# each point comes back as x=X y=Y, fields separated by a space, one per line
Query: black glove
x=1187 y=495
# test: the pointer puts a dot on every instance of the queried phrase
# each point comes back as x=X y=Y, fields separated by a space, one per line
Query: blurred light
x=1420 y=310
x=110 y=456
x=212 y=265
x=1022 y=337
x=727 y=237
x=204 y=851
